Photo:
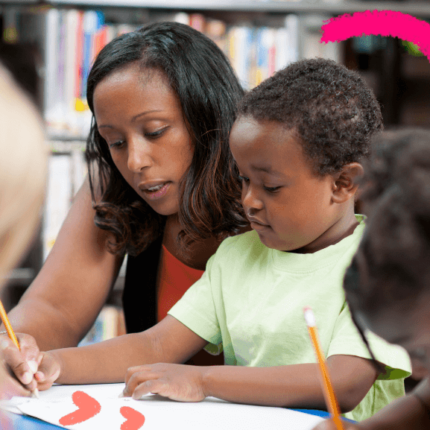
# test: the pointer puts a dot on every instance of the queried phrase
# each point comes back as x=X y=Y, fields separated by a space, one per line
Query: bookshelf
x=311 y=6
x=333 y=7
x=306 y=17
x=18 y=2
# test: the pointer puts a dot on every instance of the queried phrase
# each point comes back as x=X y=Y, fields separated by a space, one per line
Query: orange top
x=175 y=278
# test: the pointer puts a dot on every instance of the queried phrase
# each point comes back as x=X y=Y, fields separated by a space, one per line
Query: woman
x=163 y=100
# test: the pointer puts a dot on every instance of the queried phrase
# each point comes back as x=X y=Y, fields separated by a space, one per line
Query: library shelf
x=421 y=9
x=66 y=146
x=18 y=2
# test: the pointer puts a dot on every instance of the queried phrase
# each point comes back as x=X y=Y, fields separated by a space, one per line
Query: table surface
x=20 y=422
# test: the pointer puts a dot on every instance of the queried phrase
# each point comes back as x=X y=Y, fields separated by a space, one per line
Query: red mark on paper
x=87 y=408
x=383 y=23
x=135 y=420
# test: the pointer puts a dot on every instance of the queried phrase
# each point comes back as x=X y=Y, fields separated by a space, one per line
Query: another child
x=387 y=284
x=298 y=143
x=23 y=167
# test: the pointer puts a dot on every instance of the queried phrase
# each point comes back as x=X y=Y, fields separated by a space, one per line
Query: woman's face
x=140 y=118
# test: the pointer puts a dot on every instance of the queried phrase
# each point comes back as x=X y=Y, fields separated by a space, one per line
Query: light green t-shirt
x=250 y=300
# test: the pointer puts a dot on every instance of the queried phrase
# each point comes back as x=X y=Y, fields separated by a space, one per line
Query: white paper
x=159 y=413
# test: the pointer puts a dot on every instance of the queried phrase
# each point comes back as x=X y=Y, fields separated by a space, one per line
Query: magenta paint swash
x=378 y=23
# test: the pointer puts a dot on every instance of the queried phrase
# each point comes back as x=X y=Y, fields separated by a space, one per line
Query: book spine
x=182 y=18
x=292 y=25
x=79 y=170
x=109 y=324
x=58 y=199
x=79 y=55
x=216 y=31
x=271 y=51
x=90 y=28
x=243 y=37
x=97 y=44
x=261 y=57
x=111 y=32
x=71 y=66
x=198 y=22
x=282 y=49
x=51 y=62
x=60 y=80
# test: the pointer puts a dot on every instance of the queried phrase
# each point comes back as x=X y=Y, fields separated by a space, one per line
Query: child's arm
x=168 y=341
x=291 y=386
x=411 y=412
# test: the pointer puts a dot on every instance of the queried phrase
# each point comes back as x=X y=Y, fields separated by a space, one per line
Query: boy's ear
x=345 y=182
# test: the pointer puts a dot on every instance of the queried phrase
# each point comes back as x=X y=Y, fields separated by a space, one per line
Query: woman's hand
x=175 y=381
x=18 y=367
x=329 y=425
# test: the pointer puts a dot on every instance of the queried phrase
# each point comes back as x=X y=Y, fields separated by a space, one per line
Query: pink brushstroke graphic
x=383 y=23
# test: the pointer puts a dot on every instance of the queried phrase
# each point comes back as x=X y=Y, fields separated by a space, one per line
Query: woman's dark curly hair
x=391 y=267
x=330 y=108
x=208 y=91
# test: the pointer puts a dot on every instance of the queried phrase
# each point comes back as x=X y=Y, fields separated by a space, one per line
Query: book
x=51 y=102
x=109 y=324
x=79 y=170
x=58 y=199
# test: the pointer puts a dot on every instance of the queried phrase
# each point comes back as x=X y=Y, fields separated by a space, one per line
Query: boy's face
x=288 y=205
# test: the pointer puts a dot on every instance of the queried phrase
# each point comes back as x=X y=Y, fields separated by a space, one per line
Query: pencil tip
x=36 y=393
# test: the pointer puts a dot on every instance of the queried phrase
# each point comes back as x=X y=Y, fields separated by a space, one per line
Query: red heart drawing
x=135 y=420
x=87 y=408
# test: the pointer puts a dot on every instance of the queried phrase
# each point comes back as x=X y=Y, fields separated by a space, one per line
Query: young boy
x=298 y=142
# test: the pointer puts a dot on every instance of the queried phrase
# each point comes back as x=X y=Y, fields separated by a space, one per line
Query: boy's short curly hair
x=332 y=110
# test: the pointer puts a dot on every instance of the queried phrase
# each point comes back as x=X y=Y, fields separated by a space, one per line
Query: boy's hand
x=329 y=425
x=175 y=381
x=48 y=372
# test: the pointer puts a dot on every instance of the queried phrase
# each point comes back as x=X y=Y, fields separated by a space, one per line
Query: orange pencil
x=329 y=395
x=11 y=334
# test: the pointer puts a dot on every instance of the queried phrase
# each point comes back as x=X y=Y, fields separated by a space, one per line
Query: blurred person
x=387 y=283
x=23 y=159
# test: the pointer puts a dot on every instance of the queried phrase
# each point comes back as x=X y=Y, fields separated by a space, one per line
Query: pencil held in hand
x=12 y=336
x=329 y=395
x=7 y=325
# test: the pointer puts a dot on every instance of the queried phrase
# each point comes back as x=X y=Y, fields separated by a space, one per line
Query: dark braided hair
x=391 y=266
x=352 y=279
x=331 y=109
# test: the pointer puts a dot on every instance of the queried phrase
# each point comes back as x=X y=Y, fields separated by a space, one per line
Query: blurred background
x=49 y=47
